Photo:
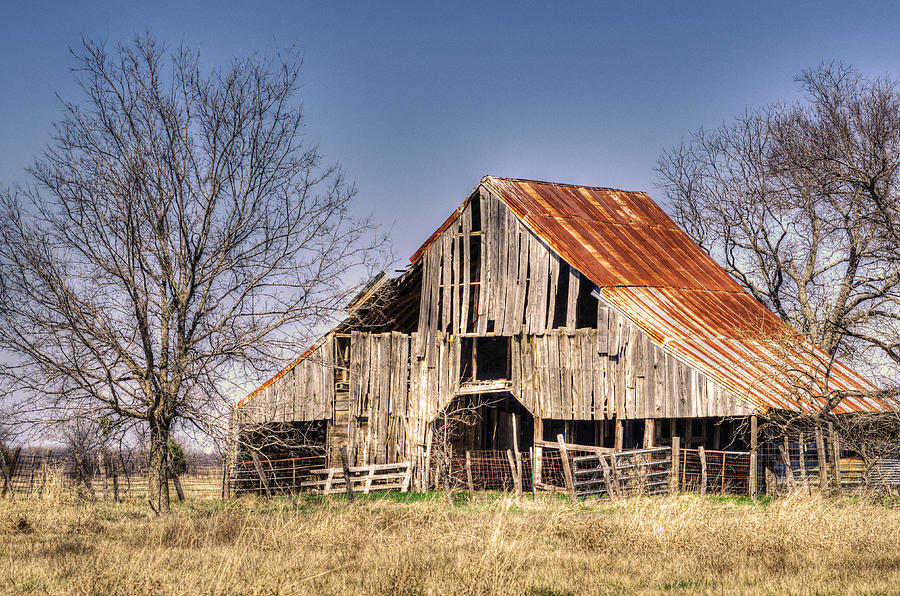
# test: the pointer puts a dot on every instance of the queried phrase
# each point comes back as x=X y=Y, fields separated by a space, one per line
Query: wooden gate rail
x=645 y=471
x=364 y=479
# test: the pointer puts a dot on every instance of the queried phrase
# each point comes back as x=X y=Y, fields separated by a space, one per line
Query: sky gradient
x=417 y=103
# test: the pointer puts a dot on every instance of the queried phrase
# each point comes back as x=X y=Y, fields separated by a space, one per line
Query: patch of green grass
x=761 y=501
x=545 y=591
x=682 y=584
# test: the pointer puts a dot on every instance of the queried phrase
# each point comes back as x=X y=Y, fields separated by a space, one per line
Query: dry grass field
x=414 y=544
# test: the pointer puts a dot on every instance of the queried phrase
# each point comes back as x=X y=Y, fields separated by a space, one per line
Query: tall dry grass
x=493 y=546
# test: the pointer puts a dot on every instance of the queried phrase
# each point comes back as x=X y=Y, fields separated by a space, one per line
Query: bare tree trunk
x=158 y=478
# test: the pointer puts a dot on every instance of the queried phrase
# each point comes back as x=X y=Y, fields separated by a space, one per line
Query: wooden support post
x=788 y=470
x=717 y=435
x=6 y=479
x=519 y=472
x=836 y=458
x=348 y=482
x=515 y=433
x=538 y=461
x=368 y=486
x=101 y=467
x=44 y=464
x=649 y=432
x=517 y=482
x=754 y=445
x=426 y=480
x=803 y=477
x=676 y=462
x=702 y=453
x=31 y=476
x=259 y=472
x=620 y=432
x=688 y=433
x=823 y=459
x=611 y=489
x=567 y=470
x=469 y=482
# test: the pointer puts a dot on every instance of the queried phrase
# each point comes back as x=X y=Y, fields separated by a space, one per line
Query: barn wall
x=398 y=383
x=305 y=392
x=612 y=371
x=490 y=275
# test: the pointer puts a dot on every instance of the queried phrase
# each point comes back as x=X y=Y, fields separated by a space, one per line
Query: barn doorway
x=494 y=421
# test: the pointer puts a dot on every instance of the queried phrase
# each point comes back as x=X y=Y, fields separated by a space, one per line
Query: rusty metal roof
x=653 y=273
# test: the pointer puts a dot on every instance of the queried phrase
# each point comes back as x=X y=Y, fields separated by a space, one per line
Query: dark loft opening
x=585 y=306
x=562 y=296
x=484 y=359
x=475 y=206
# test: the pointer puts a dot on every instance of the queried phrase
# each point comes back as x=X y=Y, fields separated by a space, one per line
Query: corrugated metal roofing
x=653 y=273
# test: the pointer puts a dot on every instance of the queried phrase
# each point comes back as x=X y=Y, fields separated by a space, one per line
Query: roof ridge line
x=567 y=184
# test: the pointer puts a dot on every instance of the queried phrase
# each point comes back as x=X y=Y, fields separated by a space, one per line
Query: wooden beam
x=620 y=432
x=348 y=482
x=676 y=462
x=471 y=485
x=836 y=458
x=823 y=459
x=567 y=470
x=754 y=438
x=649 y=432
x=702 y=453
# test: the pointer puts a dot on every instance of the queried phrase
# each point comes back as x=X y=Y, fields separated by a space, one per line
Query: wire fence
x=112 y=475
x=808 y=460
x=264 y=476
x=726 y=472
x=802 y=462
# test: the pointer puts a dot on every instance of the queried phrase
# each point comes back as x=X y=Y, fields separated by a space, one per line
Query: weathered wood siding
x=507 y=285
x=612 y=371
x=305 y=392
x=398 y=383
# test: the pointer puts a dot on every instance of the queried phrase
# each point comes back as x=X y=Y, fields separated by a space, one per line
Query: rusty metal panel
x=740 y=344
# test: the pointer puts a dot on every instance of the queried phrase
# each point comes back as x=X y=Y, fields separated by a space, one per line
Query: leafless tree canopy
x=180 y=230
x=800 y=203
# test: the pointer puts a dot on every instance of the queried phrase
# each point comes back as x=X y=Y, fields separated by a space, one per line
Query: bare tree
x=180 y=232
x=800 y=204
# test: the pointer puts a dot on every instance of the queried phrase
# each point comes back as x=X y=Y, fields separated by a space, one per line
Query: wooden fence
x=364 y=479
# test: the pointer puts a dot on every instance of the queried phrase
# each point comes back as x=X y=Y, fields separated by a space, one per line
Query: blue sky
x=418 y=101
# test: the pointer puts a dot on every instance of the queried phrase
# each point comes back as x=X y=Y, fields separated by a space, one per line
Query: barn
x=540 y=309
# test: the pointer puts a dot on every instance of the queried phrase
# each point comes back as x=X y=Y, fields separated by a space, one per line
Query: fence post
x=469 y=482
x=702 y=453
x=101 y=468
x=788 y=470
x=822 y=457
x=345 y=463
x=31 y=476
x=803 y=477
x=567 y=471
x=649 y=432
x=519 y=471
x=610 y=489
x=6 y=478
x=754 y=466
x=259 y=472
x=836 y=458
x=44 y=465
x=517 y=481
x=673 y=477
